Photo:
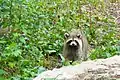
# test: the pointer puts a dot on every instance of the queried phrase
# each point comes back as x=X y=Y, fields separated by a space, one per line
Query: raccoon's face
x=73 y=39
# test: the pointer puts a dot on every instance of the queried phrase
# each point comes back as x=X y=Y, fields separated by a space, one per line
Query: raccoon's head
x=73 y=39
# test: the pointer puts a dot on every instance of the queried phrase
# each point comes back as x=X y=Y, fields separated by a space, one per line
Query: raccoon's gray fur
x=75 y=45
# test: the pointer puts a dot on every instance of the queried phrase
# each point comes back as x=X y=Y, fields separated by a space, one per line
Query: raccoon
x=75 y=45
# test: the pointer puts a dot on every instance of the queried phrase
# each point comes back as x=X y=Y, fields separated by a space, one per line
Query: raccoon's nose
x=73 y=43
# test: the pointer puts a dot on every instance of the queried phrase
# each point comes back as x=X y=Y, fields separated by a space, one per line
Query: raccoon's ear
x=66 y=35
x=79 y=36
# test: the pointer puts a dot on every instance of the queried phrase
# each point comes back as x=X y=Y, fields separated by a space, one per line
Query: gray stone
x=101 y=69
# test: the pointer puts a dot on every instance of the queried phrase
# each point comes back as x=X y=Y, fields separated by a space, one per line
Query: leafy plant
x=37 y=29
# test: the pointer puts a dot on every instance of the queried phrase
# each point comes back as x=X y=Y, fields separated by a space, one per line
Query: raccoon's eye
x=66 y=35
x=78 y=36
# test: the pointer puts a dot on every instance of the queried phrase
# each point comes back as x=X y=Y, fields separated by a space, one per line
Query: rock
x=101 y=69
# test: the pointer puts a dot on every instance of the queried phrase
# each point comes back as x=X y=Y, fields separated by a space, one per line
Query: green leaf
x=2 y=72
x=51 y=51
x=1 y=78
x=22 y=39
x=41 y=69
x=11 y=64
x=2 y=42
x=16 y=53
x=108 y=55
